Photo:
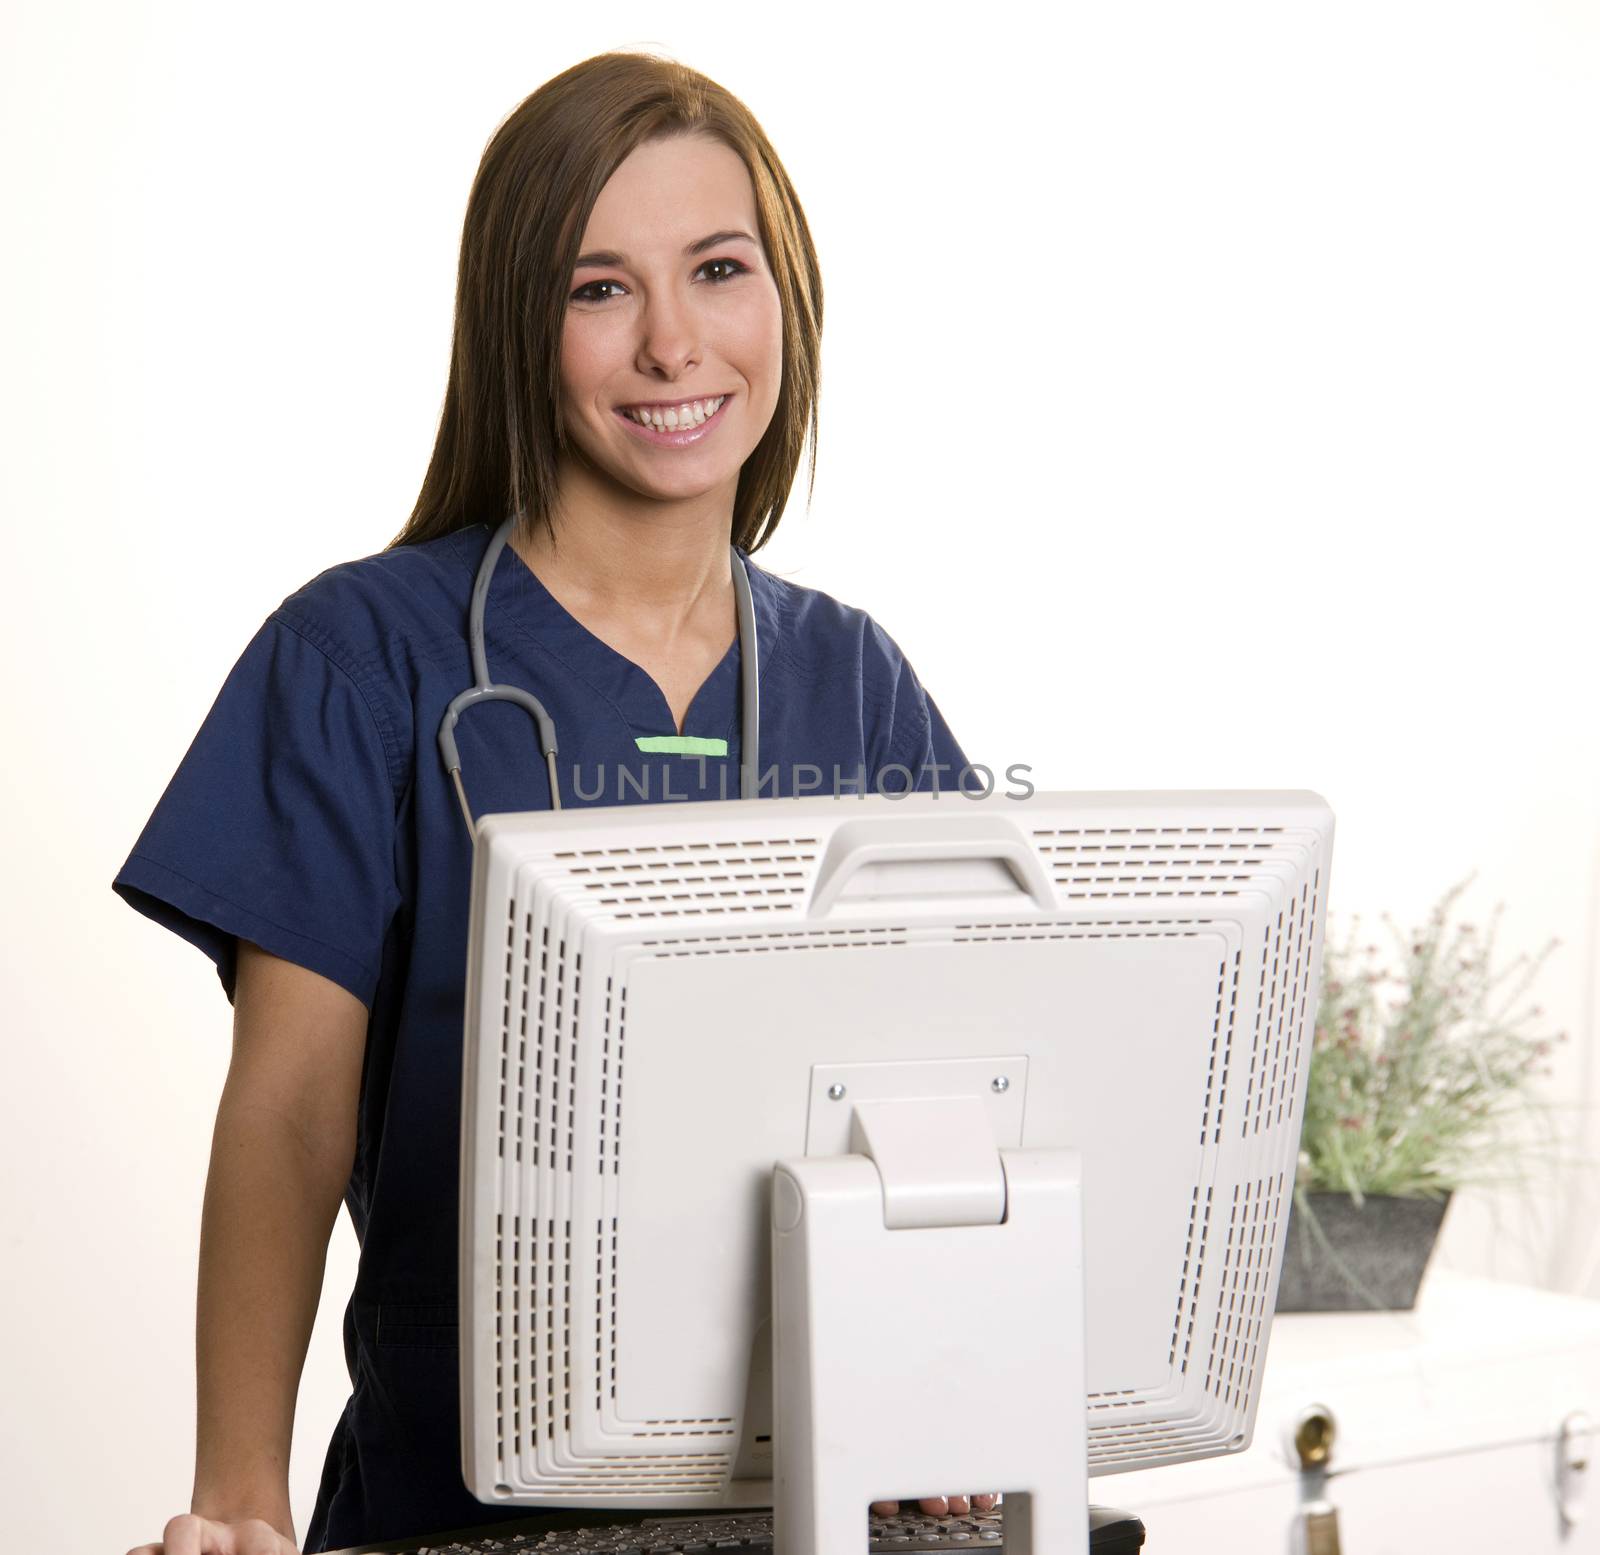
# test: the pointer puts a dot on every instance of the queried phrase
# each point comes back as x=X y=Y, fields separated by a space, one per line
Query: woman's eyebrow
x=603 y=259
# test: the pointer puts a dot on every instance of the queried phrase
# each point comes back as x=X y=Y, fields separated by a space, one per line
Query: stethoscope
x=486 y=691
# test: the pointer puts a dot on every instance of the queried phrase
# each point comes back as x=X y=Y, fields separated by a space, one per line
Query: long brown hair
x=541 y=173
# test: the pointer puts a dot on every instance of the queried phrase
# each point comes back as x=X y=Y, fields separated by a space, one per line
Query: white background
x=1209 y=400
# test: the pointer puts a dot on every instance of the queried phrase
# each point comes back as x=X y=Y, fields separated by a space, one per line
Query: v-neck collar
x=518 y=596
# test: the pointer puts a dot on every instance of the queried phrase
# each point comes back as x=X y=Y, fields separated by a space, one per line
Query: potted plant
x=1418 y=1080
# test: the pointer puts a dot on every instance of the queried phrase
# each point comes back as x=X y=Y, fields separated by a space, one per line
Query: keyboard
x=1111 y=1532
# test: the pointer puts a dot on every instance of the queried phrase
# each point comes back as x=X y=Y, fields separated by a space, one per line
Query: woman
x=633 y=253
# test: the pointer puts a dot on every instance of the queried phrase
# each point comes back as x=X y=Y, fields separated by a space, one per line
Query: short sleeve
x=921 y=742
x=941 y=760
x=279 y=825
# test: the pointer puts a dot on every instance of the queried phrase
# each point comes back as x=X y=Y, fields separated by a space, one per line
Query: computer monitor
x=826 y=1150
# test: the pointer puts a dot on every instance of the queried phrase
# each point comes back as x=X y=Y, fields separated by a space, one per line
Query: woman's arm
x=280 y=1161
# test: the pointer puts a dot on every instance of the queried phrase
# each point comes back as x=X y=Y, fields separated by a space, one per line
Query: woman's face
x=672 y=302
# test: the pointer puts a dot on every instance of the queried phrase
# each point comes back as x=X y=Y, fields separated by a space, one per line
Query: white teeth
x=695 y=413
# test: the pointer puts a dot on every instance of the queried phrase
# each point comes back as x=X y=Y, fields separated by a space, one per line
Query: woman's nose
x=668 y=341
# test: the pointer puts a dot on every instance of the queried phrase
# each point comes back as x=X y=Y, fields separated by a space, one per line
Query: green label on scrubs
x=681 y=745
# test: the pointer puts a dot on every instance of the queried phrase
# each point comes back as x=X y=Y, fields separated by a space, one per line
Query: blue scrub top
x=312 y=815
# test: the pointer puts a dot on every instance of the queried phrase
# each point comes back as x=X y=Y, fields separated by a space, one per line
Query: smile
x=676 y=426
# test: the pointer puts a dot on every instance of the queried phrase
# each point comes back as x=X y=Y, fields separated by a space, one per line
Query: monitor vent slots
x=1246 y=1264
x=551 y=1279
x=1229 y=1254
x=1160 y=861
x=1226 y=1253
x=1236 y=1344
x=696 y=879
x=1283 y=995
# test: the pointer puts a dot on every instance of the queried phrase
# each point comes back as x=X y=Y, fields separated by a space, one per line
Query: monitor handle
x=911 y=839
x=929 y=1360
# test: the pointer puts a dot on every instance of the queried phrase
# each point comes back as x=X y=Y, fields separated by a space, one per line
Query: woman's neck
x=660 y=567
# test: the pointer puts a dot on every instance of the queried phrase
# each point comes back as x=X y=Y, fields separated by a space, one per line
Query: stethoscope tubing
x=485 y=690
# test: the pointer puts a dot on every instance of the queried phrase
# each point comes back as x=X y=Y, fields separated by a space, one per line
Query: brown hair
x=541 y=173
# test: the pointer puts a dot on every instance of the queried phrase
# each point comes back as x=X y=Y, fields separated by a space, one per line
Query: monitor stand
x=928 y=1329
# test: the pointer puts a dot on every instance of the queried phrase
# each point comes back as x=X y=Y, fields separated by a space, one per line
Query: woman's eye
x=590 y=290
x=582 y=293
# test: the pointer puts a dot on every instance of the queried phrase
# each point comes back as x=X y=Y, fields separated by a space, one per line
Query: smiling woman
x=633 y=380
x=671 y=373
x=552 y=198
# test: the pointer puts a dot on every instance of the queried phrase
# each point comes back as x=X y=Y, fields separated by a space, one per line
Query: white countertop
x=1479 y=1363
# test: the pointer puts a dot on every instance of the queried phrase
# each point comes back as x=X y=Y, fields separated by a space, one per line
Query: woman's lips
x=676 y=437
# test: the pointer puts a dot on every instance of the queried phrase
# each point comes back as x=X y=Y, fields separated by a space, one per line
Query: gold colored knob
x=1314 y=1433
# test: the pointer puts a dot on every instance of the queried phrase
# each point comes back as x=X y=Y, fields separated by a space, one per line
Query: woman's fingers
x=189 y=1534
x=258 y=1537
x=943 y=1506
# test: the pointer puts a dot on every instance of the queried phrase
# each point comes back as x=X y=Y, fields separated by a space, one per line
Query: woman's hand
x=932 y=1506
x=191 y=1535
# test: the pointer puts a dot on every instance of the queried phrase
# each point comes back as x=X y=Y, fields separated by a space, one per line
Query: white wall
x=1209 y=400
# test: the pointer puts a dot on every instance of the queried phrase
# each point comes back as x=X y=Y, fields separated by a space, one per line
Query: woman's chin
x=684 y=486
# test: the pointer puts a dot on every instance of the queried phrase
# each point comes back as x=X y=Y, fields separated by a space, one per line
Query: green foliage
x=1417 y=1075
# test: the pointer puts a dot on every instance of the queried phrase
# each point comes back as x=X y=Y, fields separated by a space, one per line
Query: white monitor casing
x=665 y=1001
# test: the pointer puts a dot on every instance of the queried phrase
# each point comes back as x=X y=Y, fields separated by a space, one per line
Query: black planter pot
x=1374 y=1258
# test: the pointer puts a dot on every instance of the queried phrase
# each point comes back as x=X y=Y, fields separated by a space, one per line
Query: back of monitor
x=660 y=1000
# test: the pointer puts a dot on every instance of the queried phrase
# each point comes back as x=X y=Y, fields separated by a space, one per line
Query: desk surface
x=1479 y=1363
x=1458 y=1317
